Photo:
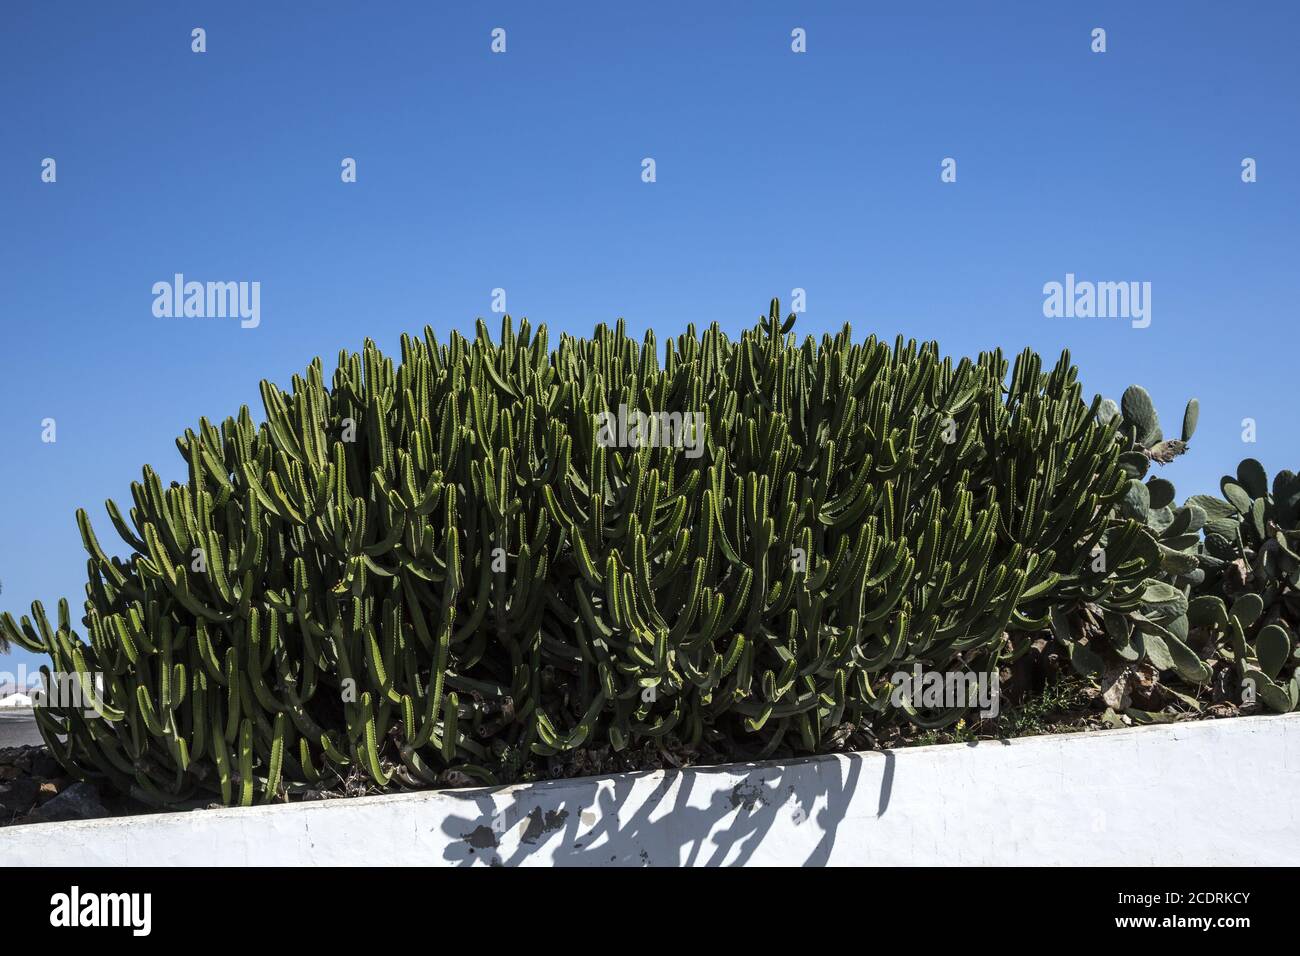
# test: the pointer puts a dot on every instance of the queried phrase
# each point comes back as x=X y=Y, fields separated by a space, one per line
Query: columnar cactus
x=468 y=561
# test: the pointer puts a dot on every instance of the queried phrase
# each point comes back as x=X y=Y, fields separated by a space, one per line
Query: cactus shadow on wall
x=628 y=821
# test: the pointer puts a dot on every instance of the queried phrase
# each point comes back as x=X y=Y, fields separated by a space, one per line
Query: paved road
x=18 y=727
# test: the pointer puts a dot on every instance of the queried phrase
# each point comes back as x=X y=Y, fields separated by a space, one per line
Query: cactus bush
x=451 y=568
x=1252 y=555
x=1225 y=603
x=1117 y=636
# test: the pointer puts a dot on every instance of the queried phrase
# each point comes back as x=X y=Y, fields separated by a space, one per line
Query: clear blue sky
x=523 y=171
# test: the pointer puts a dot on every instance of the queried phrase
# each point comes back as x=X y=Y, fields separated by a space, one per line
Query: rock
x=10 y=773
x=1115 y=684
x=78 y=802
x=45 y=766
x=17 y=796
x=1147 y=693
x=1017 y=681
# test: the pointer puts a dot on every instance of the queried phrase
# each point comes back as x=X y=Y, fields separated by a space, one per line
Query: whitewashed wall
x=1210 y=792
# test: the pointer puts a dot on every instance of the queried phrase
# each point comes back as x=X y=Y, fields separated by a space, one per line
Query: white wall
x=1209 y=792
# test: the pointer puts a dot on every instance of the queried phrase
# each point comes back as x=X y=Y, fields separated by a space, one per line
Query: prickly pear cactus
x=1118 y=635
x=1252 y=551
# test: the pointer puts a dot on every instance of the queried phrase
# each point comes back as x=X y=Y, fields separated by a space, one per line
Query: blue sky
x=522 y=171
